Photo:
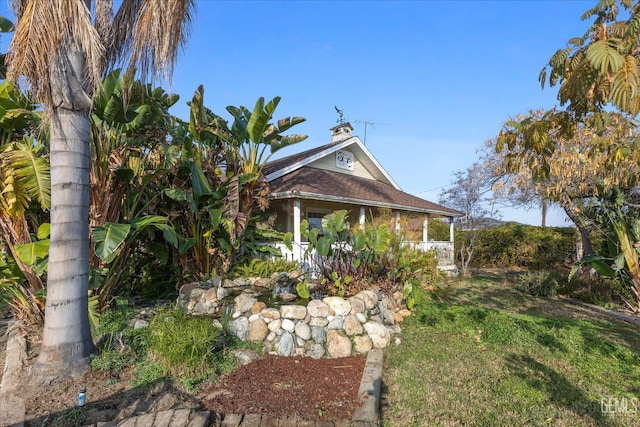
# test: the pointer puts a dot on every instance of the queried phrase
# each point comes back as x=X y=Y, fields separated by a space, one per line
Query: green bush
x=180 y=340
x=539 y=283
x=517 y=245
x=595 y=289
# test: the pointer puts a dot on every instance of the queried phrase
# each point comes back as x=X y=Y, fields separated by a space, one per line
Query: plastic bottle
x=82 y=397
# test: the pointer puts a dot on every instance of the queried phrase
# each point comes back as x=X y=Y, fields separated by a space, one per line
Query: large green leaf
x=378 y=238
x=599 y=263
x=158 y=222
x=179 y=195
x=29 y=164
x=108 y=239
x=323 y=246
x=286 y=141
x=145 y=221
x=169 y=233
x=199 y=181
x=44 y=230
x=6 y=26
x=29 y=253
x=186 y=245
x=359 y=240
x=215 y=215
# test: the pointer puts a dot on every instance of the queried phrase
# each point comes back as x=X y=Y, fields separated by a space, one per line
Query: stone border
x=12 y=408
x=367 y=414
x=620 y=316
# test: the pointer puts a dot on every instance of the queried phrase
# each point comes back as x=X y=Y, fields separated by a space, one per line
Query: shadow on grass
x=491 y=290
x=558 y=388
x=130 y=403
x=498 y=291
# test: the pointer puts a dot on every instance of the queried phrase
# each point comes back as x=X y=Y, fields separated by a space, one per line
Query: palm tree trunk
x=67 y=341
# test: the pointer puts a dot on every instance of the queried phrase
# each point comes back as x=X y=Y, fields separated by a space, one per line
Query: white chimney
x=341 y=132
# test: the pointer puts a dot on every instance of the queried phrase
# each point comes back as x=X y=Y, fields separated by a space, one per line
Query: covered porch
x=420 y=230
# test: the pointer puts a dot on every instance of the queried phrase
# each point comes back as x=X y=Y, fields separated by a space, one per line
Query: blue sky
x=436 y=78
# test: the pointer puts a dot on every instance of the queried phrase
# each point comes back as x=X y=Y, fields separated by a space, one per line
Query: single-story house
x=345 y=175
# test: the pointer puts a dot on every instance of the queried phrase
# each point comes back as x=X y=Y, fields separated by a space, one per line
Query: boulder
x=369 y=297
x=352 y=325
x=362 y=344
x=293 y=312
x=357 y=305
x=338 y=306
x=286 y=345
x=338 y=344
x=258 y=330
x=239 y=327
x=270 y=313
x=244 y=302
x=303 y=330
x=379 y=334
x=288 y=325
x=317 y=308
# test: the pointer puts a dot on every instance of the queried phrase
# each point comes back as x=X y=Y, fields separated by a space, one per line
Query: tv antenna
x=368 y=123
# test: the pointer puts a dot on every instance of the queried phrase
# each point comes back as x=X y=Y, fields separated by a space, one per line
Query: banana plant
x=229 y=193
x=116 y=241
x=131 y=152
x=24 y=196
x=621 y=259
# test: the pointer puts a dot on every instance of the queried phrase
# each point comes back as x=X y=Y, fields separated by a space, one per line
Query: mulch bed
x=294 y=387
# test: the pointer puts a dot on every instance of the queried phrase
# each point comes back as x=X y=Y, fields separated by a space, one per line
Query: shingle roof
x=284 y=162
x=321 y=184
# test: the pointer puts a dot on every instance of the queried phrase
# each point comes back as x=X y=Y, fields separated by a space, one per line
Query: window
x=315 y=219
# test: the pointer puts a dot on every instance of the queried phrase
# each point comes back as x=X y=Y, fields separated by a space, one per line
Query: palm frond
x=150 y=33
x=46 y=33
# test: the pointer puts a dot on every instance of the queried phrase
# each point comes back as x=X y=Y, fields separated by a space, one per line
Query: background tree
x=470 y=194
x=63 y=52
x=572 y=173
x=596 y=73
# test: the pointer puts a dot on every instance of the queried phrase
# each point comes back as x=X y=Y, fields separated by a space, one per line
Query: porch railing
x=298 y=252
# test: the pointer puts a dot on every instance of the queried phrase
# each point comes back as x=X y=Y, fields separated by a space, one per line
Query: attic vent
x=341 y=132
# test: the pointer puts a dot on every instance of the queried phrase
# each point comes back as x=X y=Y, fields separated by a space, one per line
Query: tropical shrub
x=219 y=215
x=352 y=260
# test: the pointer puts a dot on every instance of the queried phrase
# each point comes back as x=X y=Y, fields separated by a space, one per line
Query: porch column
x=451 y=229
x=297 y=238
x=425 y=229
x=398 y=222
x=362 y=217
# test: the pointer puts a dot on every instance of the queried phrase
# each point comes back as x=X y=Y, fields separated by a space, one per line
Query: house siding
x=329 y=163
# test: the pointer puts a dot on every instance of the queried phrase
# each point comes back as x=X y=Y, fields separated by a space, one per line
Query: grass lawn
x=488 y=355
